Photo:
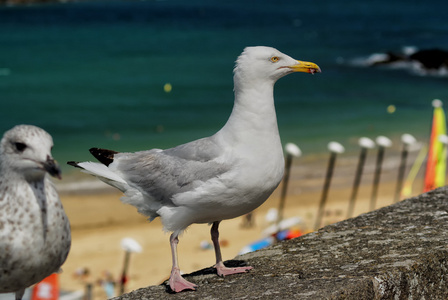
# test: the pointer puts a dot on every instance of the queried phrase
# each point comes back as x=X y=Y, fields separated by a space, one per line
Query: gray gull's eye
x=20 y=146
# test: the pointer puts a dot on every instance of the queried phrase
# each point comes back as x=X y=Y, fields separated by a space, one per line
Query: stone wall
x=397 y=252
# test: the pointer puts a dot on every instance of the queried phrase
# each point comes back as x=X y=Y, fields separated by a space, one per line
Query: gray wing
x=162 y=174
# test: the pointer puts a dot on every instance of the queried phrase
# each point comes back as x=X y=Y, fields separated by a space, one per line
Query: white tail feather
x=101 y=171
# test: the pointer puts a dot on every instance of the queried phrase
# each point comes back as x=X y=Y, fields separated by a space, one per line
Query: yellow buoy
x=167 y=87
x=391 y=109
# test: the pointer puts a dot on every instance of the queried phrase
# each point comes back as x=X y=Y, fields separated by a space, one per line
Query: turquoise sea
x=92 y=73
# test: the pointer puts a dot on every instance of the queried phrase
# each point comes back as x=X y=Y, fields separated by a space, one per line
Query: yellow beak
x=304 y=66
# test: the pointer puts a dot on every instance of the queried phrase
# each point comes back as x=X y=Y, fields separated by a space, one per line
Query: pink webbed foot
x=224 y=271
x=179 y=284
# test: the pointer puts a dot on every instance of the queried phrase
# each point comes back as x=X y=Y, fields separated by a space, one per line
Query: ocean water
x=93 y=73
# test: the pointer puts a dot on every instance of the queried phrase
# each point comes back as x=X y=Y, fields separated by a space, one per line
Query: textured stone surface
x=397 y=252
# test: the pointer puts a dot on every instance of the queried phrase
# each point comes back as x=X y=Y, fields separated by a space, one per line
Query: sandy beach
x=99 y=221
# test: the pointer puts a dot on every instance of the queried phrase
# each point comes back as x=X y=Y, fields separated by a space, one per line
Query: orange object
x=47 y=289
x=293 y=233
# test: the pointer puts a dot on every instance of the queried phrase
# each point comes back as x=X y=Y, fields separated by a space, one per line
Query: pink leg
x=220 y=267
x=177 y=282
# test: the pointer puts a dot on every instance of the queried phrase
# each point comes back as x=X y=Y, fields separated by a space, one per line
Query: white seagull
x=34 y=230
x=220 y=177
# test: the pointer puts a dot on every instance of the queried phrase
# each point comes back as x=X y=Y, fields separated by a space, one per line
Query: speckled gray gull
x=34 y=230
x=216 y=178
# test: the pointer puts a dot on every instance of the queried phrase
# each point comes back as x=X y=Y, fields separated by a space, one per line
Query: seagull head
x=26 y=149
x=268 y=64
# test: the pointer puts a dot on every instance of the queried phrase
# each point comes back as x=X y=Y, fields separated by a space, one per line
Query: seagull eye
x=275 y=59
x=20 y=146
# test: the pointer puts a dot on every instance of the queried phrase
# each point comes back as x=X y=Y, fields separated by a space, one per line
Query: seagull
x=220 y=177
x=34 y=229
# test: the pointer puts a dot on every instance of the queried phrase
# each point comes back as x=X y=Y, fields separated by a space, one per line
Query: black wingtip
x=73 y=163
x=104 y=156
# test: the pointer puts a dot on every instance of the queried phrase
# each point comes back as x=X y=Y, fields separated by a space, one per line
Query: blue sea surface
x=93 y=73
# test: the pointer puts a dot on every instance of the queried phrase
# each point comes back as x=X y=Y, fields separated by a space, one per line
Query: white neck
x=253 y=121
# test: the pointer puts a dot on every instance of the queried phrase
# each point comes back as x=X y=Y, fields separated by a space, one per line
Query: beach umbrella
x=407 y=141
x=292 y=150
x=383 y=143
x=365 y=144
x=436 y=162
x=129 y=245
x=335 y=148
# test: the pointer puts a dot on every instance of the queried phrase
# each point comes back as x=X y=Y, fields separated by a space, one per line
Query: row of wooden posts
x=335 y=148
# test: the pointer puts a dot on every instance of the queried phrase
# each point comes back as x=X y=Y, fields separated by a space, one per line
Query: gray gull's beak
x=52 y=167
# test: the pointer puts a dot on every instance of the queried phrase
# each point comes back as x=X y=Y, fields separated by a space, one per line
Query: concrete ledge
x=397 y=252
